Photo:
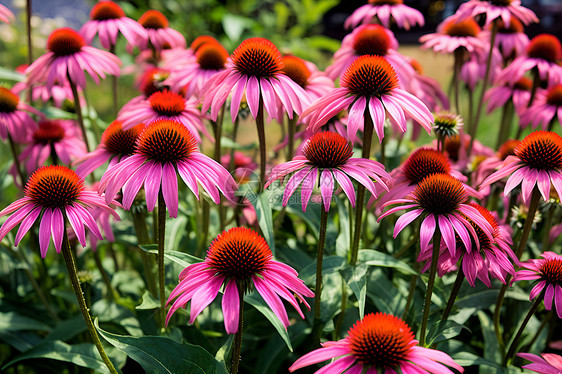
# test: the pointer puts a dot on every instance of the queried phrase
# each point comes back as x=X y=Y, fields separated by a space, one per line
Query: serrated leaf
x=148 y=302
x=356 y=279
x=375 y=258
x=263 y=308
x=180 y=258
x=158 y=354
x=85 y=355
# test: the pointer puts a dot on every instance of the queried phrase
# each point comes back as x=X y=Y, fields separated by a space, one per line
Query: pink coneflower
x=55 y=192
x=511 y=40
x=452 y=34
x=150 y=81
x=442 y=200
x=537 y=161
x=315 y=82
x=487 y=256
x=369 y=86
x=491 y=164
x=209 y=59
x=545 y=110
x=164 y=149
x=116 y=144
x=497 y=9
x=56 y=138
x=473 y=70
x=164 y=105
x=427 y=89
x=372 y=40
x=68 y=57
x=543 y=53
x=379 y=343
x=548 y=272
x=327 y=156
x=421 y=163
x=549 y=363
x=386 y=11
x=519 y=92
x=107 y=19
x=456 y=147
x=256 y=68
x=160 y=36
x=6 y=14
x=59 y=93
x=14 y=117
x=238 y=260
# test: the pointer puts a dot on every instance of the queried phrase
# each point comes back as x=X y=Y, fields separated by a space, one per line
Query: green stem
x=292 y=124
x=411 y=291
x=139 y=222
x=16 y=159
x=505 y=127
x=453 y=296
x=474 y=125
x=78 y=109
x=114 y=86
x=161 y=268
x=366 y=153
x=71 y=267
x=430 y=284
x=547 y=226
x=237 y=344
x=459 y=54
x=317 y=324
x=261 y=140
x=515 y=341
x=111 y=291
x=341 y=317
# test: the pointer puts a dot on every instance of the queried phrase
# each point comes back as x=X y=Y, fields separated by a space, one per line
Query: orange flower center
x=369 y=76
x=154 y=19
x=296 y=69
x=508 y=148
x=153 y=81
x=121 y=142
x=211 y=56
x=64 y=42
x=380 y=340
x=453 y=146
x=546 y=47
x=257 y=57
x=8 y=101
x=464 y=28
x=327 y=150
x=239 y=253
x=167 y=103
x=201 y=40
x=49 y=131
x=554 y=95
x=166 y=140
x=515 y=26
x=483 y=239
x=440 y=194
x=551 y=271
x=371 y=40
x=523 y=84
x=541 y=150
x=54 y=186
x=105 y=10
x=424 y=162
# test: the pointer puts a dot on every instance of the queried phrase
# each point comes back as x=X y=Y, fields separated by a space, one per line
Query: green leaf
x=234 y=26
x=330 y=265
x=180 y=258
x=158 y=354
x=356 y=279
x=85 y=355
x=260 y=305
x=439 y=331
x=262 y=205
x=11 y=75
x=375 y=258
x=68 y=328
x=148 y=302
x=12 y=321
